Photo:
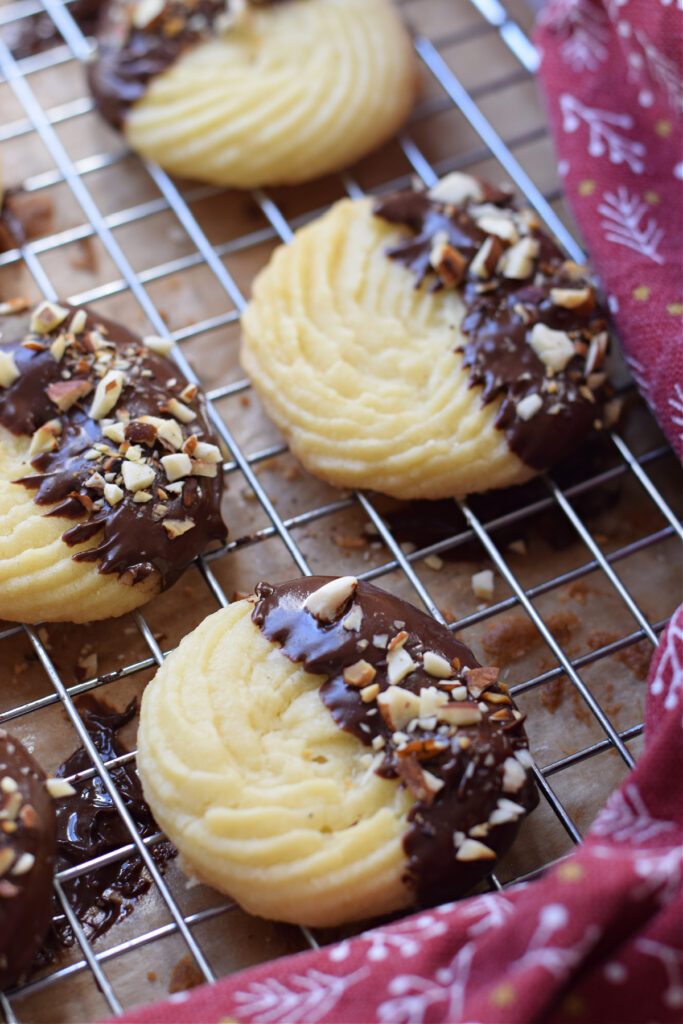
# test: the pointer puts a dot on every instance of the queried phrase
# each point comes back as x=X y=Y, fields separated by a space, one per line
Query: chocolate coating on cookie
x=104 y=412
x=27 y=853
x=133 y=50
x=403 y=685
x=89 y=826
x=517 y=287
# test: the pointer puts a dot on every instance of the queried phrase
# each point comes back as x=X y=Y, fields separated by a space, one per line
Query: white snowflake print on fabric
x=404 y=939
x=669 y=676
x=625 y=818
x=672 y=961
x=602 y=134
x=310 y=997
x=624 y=224
x=412 y=996
x=585 y=24
x=557 y=960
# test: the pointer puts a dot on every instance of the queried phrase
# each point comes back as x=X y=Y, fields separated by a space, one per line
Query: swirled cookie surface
x=110 y=483
x=288 y=92
x=393 y=360
x=283 y=800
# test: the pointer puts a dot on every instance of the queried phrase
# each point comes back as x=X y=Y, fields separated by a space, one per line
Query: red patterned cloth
x=600 y=937
x=612 y=75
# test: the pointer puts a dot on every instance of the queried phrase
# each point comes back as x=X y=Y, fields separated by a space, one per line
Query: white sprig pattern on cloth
x=661 y=874
x=672 y=961
x=405 y=939
x=676 y=403
x=412 y=996
x=625 y=818
x=623 y=224
x=602 y=134
x=648 y=67
x=663 y=72
x=669 y=676
x=639 y=374
x=558 y=960
x=494 y=908
x=306 y=998
x=585 y=48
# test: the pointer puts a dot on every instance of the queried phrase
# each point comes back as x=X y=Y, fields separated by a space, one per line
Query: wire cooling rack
x=32 y=118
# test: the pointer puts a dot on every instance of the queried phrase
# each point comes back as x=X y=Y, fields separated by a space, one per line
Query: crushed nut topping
x=98 y=408
x=530 y=315
x=409 y=691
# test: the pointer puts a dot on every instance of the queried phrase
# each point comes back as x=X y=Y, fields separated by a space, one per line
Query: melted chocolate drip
x=499 y=316
x=38 y=32
x=131 y=537
x=129 y=57
x=88 y=825
x=471 y=773
x=28 y=820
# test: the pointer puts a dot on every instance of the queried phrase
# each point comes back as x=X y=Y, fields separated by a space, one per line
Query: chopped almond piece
x=472 y=849
x=368 y=693
x=399 y=664
x=398 y=706
x=327 y=601
x=479 y=679
x=456 y=188
x=9 y=371
x=177 y=527
x=514 y=775
x=359 y=674
x=65 y=393
x=436 y=665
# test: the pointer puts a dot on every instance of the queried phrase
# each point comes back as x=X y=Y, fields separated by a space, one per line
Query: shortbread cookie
x=324 y=752
x=429 y=345
x=110 y=474
x=250 y=94
x=27 y=855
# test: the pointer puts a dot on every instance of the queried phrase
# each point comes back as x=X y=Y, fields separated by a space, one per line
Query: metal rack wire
x=492 y=17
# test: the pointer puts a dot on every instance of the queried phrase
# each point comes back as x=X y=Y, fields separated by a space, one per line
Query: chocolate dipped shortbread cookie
x=110 y=473
x=429 y=344
x=27 y=855
x=253 y=93
x=324 y=752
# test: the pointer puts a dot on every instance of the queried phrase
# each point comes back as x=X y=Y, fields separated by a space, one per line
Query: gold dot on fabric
x=663 y=129
x=675 y=308
x=573 y=1005
x=503 y=995
x=653 y=198
x=641 y=293
x=570 y=872
x=586 y=187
